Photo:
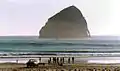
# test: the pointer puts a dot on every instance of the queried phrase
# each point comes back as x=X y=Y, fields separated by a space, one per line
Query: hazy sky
x=26 y=17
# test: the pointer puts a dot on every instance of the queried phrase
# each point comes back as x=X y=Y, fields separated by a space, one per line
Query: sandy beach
x=79 y=65
x=67 y=67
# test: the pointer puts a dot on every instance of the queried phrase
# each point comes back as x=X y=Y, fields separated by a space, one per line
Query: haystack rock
x=68 y=23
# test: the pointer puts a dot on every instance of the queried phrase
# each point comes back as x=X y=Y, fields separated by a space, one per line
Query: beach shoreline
x=82 y=66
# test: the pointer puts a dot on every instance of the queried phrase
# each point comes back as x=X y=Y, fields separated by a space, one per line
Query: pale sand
x=73 y=67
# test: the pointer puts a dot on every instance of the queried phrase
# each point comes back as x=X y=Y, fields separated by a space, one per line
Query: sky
x=26 y=17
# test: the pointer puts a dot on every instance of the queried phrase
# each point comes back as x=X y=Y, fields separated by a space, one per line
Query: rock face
x=68 y=23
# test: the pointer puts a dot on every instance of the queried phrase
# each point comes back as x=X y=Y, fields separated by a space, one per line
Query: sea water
x=33 y=46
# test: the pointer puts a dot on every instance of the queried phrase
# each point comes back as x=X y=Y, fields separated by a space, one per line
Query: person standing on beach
x=72 y=59
x=50 y=59
x=39 y=59
x=16 y=61
x=57 y=60
x=63 y=59
x=69 y=60
x=54 y=60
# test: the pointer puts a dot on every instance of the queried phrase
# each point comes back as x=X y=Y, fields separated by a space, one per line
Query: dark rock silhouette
x=68 y=23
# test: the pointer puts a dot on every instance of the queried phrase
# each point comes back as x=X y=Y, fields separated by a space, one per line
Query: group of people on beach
x=58 y=60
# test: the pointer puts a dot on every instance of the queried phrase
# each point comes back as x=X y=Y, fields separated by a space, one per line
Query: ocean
x=31 y=46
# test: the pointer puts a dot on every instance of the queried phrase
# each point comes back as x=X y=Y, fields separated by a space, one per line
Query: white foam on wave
x=104 y=61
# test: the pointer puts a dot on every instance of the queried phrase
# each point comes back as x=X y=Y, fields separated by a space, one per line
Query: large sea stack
x=68 y=23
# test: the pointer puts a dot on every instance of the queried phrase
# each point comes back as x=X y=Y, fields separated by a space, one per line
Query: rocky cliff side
x=68 y=23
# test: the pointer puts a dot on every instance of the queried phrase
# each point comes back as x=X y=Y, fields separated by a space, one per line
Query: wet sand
x=77 y=65
x=66 y=67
